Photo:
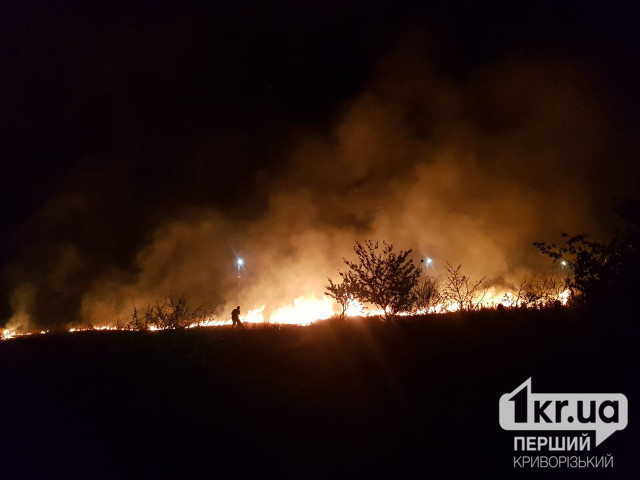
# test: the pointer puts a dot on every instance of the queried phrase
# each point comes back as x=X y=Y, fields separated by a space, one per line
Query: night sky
x=118 y=120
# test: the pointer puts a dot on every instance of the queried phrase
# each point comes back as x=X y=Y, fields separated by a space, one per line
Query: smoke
x=468 y=170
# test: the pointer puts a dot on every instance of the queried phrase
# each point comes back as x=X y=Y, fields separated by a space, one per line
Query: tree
x=547 y=289
x=168 y=314
x=460 y=290
x=343 y=293
x=598 y=272
x=539 y=291
x=428 y=294
x=519 y=292
x=382 y=277
x=603 y=276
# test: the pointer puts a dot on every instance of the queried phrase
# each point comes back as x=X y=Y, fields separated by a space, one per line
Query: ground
x=418 y=397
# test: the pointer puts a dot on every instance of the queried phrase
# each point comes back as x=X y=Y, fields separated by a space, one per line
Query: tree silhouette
x=599 y=272
x=460 y=290
x=170 y=313
x=539 y=291
x=428 y=294
x=603 y=275
x=343 y=293
x=382 y=277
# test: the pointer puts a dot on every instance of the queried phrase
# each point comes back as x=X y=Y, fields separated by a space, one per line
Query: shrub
x=382 y=277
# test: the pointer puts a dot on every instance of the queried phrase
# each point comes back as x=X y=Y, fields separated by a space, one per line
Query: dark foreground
x=414 y=399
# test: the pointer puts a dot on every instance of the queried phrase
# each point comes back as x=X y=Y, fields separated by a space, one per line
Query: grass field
x=337 y=399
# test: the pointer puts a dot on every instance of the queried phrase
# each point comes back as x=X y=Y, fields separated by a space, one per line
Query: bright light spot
x=254 y=316
x=304 y=311
x=240 y=262
x=564 y=263
x=564 y=296
x=429 y=261
x=7 y=333
x=354 y=308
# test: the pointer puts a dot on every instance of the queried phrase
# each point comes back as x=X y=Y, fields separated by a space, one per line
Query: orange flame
x=302 y=311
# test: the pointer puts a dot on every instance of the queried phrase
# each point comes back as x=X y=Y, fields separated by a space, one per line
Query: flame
x=304 y=310
x=355 y=308
x=564 y=296
x=9 y=333
x=92 y=327
x=254 y=316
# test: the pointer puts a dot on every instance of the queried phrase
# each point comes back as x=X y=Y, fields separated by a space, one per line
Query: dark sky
x=115 y=118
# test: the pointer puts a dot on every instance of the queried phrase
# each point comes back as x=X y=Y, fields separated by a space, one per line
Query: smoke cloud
x=469 y=170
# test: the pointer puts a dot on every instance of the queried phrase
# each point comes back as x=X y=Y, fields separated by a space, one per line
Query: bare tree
x=539 y=291
x=382 y=277
x=460 y=290
x=545 y=290
x=428 y=294
x=343 y=293
x=170 y=313
x=136 y=322
x=519 y=292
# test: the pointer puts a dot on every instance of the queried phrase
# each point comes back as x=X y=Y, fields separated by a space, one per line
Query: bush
x=601 y=275
x=460 y=290
x=537 y=292
x=428 y=294
x=380 y=277
x=169 y=314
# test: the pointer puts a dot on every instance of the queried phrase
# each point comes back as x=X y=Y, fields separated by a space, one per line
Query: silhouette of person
x=235 y=317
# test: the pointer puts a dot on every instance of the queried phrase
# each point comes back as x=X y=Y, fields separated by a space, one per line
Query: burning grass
x=172 y=314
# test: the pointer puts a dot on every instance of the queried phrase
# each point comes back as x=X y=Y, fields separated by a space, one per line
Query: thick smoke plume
x=470 y=171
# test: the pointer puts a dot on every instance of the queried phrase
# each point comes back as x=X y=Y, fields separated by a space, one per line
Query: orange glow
x=302 y=311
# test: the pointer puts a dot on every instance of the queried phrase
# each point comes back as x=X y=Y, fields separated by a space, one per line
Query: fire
x=254 y=316
x=564 y=296
x=355 y=308
x=100 y=327
x=9 y=333
x=302 y=311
